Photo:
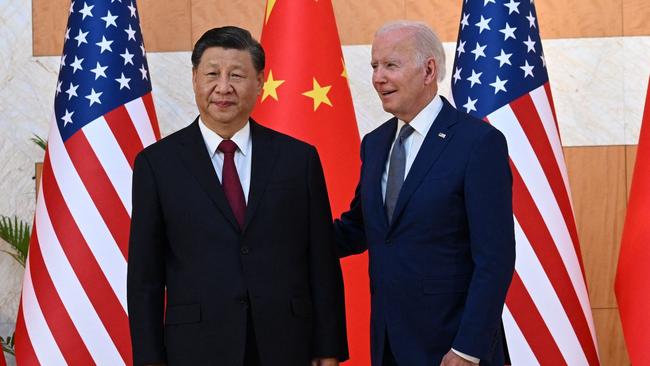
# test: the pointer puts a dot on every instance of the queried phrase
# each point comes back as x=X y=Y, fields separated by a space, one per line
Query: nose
x=378 y=76
x=223 y=85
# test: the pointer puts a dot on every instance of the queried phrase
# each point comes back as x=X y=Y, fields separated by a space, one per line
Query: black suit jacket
x=186 y=240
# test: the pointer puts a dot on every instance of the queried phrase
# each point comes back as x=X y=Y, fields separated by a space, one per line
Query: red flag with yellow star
x=306 y=95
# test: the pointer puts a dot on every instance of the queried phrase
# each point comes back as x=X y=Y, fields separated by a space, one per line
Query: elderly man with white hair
x=433 y=207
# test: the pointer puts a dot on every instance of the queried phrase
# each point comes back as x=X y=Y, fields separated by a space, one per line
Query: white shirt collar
x=212 y=140
x=424 y=120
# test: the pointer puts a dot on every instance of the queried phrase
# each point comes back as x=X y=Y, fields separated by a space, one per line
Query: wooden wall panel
x=174 y=25
x=168 y=27
x=358 y=20
x=598 y=184
x=165 y=27
x=630 y=159
x=635 y=17
x=38 y=173
x=611 y=345
x=49 y=19
x=442 y=15
x=584 y=18
x=207 y=14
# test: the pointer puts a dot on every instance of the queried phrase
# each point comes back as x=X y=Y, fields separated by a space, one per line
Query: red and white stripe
x=73 y=309
x=547 y=318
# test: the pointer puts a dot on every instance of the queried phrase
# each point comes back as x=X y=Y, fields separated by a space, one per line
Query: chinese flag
x=633 y=276
x=306 y=95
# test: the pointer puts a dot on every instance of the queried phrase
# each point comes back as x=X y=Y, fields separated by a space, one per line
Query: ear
x=430 y=71
x=194 y=74
x=260 y=81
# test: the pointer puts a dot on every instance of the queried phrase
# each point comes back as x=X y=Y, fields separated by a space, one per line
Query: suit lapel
x=195 y=156
x=432 y=146
x=263 y=160
x=375 y=165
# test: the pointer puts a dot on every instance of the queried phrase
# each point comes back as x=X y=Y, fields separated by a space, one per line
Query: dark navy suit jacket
x=440 y=271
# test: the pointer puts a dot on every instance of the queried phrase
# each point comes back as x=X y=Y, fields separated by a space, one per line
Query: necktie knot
x=405 y=132
x=227 y=146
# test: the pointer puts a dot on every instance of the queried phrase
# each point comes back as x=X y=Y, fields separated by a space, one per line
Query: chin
x=220 y=115
x=221 y=119
x=388 y=108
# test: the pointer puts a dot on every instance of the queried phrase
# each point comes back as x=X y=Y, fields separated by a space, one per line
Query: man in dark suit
x=433 y=207
x=232 y=221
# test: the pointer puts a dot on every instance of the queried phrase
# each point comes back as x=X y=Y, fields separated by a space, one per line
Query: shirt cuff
x=469 y=358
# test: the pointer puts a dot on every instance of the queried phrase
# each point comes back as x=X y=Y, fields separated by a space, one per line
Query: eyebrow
x=390 y=60
x=233 y=67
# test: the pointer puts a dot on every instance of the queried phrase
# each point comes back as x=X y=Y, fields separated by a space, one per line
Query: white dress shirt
x=243 y=154
x=421 y=125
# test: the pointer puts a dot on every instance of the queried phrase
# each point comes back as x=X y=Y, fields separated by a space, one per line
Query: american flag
x=73 y=308
x=500 y=75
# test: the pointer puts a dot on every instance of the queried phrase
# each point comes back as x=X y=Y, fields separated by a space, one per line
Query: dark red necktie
x=230 y=181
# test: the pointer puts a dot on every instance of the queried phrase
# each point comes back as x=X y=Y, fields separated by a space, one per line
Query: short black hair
x=229 y=37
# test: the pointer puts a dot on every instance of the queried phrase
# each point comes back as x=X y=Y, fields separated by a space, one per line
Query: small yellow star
x=345 y=69
x=271 y=86
x=319 y=94
x=269 y=8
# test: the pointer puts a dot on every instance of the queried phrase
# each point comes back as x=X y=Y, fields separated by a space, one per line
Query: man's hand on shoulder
x=452 y=359
x=324 y=362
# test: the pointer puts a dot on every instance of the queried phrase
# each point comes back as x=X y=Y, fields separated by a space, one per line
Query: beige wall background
x=600 y=166
x=174 y=25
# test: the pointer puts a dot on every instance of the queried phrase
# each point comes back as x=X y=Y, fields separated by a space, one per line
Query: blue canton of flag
x=498 y=55
x=103 y=64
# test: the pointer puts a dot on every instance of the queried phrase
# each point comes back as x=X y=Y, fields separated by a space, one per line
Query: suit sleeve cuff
x=469 y=358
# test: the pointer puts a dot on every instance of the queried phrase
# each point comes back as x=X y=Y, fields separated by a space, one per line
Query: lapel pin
x=442 y=135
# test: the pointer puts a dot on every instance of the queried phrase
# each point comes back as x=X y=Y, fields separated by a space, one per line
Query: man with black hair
x=232 y=221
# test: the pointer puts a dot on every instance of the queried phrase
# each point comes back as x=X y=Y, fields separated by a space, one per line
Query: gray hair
x=427 y=43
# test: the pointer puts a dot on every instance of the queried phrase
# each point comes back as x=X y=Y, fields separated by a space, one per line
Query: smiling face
x=226 y=86
x=405 y=83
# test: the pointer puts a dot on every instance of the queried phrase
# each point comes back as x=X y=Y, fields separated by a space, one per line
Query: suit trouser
x=388 y=358
x=251 y=355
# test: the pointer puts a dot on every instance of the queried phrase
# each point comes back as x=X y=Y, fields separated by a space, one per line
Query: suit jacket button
x=388 y=242
x=244 y=250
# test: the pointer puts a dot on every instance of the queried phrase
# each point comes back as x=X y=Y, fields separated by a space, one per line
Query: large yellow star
x=319 y=94
x=269 y=8
x=271 y=86
x=345 y=69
